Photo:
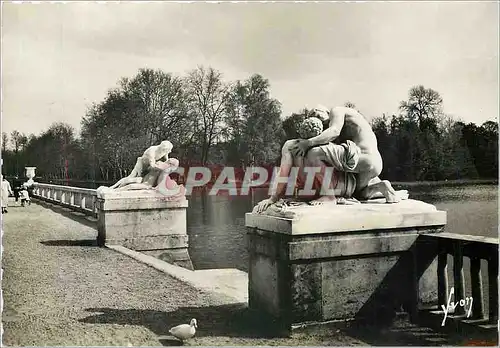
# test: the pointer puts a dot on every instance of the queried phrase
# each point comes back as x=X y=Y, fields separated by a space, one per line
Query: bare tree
x=141 y=111
x=160 y=102
x=5 y=141
x=491 y=127
x=423 y=103
x=208 y=96
x=15 y=138
x=255 y=121
x=23 y=141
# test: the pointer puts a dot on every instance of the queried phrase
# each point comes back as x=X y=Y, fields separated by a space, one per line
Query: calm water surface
x=217 y=234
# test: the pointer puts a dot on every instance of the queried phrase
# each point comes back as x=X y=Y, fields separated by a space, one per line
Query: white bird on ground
x=184 y=331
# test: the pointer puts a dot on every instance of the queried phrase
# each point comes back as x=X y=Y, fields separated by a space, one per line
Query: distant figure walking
x=6 y=192
x=17 y=187
x=24 y=195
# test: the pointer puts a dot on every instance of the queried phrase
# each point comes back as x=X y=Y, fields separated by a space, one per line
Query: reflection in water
x=471 y=209
x=217 y=234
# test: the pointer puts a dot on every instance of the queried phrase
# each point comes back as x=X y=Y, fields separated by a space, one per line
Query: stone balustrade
x=76 y=198
x=479 y=250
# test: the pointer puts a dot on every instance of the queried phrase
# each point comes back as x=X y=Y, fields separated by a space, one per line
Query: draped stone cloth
x=343 y=157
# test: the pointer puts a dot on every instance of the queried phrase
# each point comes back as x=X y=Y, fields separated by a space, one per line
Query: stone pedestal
x=363 y=262
x=144 y=221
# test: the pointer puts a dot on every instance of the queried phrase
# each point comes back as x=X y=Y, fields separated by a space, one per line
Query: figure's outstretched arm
x=288 y=161
x=286 y=165
x=283 y=172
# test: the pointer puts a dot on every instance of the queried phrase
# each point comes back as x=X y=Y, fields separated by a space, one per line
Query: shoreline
x=447 y=182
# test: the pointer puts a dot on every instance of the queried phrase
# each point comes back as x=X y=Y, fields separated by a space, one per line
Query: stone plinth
x=362 y=262
x=144 y=221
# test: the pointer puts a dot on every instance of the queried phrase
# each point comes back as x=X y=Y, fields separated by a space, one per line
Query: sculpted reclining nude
x=345 y=153
x=149 y=160
x=154 y=176
x=150 y=171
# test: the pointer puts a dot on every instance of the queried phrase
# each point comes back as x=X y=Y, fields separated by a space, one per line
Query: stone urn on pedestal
x=30 y=172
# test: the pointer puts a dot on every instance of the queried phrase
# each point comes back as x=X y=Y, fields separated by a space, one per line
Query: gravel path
x=59 y=288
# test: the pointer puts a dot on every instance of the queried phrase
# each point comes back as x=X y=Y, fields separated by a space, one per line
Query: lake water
x=217 y=233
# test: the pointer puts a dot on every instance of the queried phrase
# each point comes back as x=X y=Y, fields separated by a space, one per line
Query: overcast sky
x=59 y=58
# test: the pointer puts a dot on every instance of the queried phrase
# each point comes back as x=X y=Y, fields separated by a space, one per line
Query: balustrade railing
x=481 y=251
x=76 y=198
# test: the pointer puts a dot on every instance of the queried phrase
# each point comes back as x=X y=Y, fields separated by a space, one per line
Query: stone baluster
x=493 y=288
x=442 y=276
x=458 y=275
x=477 y=288
x=82 y=201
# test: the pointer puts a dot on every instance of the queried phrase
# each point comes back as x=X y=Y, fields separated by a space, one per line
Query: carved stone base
x=142 y=220
x=364 y=262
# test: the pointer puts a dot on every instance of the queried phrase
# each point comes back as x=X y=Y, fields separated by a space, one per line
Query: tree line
x=238 y=123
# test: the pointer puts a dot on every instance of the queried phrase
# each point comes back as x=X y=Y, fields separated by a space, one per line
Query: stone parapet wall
x=145 y=221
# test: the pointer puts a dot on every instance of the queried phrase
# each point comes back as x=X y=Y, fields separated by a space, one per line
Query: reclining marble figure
x=150 y=172
x=347 y=145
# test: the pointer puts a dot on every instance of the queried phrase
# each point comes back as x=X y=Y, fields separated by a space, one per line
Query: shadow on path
x=79 y=243
x=236 y=321
x=17 y=206
x=170 y=342
x=398 y=336
x=233 y=320
x=75 y=216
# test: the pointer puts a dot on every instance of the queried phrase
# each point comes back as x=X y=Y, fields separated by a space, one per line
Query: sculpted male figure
x=345 y=124
x=346 y=134
x=340 y=184
x=145 y=163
